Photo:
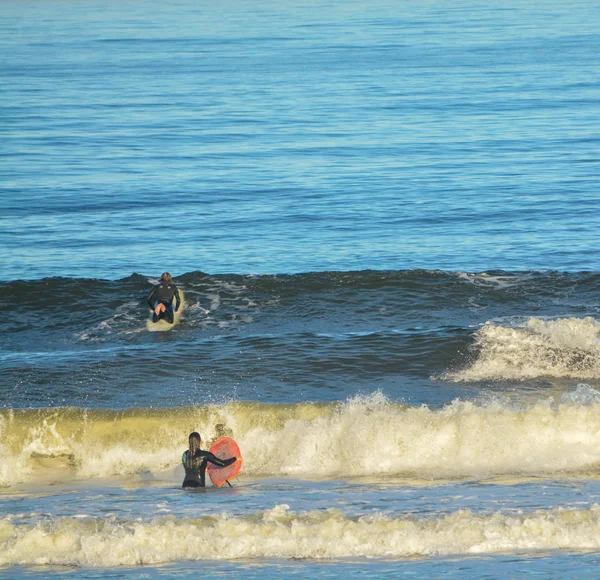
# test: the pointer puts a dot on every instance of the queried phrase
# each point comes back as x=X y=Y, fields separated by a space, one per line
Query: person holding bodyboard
x=160 y=299
x=195 y=461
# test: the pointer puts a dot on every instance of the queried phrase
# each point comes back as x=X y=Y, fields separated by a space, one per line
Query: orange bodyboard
x=224 y=448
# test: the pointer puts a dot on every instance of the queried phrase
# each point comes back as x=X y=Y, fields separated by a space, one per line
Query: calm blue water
x=309 y=137
x=383 y=217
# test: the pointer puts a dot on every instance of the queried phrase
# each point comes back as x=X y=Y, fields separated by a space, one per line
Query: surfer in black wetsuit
x=160 y=299
x=195 y=461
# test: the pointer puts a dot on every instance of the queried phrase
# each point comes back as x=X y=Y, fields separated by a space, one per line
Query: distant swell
x=81 y=293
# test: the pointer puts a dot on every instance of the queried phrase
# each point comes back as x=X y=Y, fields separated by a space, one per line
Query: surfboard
x=224 y=448
x=163 y=324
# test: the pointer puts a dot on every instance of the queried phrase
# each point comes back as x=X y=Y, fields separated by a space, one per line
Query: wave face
x=281 y=533
x=419 y=288
x=311 y=441
x=420 y=336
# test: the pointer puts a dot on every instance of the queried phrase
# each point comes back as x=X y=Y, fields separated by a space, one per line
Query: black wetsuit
x=164 y=293
x=195 y=470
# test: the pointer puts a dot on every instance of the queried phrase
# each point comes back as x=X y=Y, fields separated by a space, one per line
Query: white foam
x=461 y=440
x=123 y=317
x=498 y=281
x=281 y=533
x=366 y=436
x=566 y=348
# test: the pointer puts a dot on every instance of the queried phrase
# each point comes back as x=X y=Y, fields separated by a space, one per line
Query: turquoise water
x=383 y=217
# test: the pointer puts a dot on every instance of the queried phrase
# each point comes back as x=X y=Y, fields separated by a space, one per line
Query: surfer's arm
x=217 y=461
x=177 y=299
x=150 y=302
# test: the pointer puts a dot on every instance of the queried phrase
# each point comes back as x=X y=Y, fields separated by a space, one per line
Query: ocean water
x=384 y=221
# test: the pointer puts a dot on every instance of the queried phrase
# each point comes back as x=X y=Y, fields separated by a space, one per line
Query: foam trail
x=281 y=533
x=564 y=348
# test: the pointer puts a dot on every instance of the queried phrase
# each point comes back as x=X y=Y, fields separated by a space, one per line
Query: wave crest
x=281 y=533
x=563 y=348
x=366 y=436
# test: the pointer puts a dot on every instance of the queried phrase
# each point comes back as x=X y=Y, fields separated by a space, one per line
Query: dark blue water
x=383 y=218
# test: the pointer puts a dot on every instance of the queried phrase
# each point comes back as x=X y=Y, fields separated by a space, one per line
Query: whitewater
x=310 y=441
x=280 y=533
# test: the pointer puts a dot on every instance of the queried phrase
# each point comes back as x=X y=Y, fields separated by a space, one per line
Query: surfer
x=195 y=461
x=160 y=299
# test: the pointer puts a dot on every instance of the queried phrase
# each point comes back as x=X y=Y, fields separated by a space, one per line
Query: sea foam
x=281 y=533
x=363 y=437
x=562 y=348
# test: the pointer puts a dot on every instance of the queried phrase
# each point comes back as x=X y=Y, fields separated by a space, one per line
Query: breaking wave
x=281 y=533
x=564 y=348
x=309 y=440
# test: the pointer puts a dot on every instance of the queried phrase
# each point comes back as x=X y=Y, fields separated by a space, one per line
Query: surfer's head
x=166 y=277
x=194 y=440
